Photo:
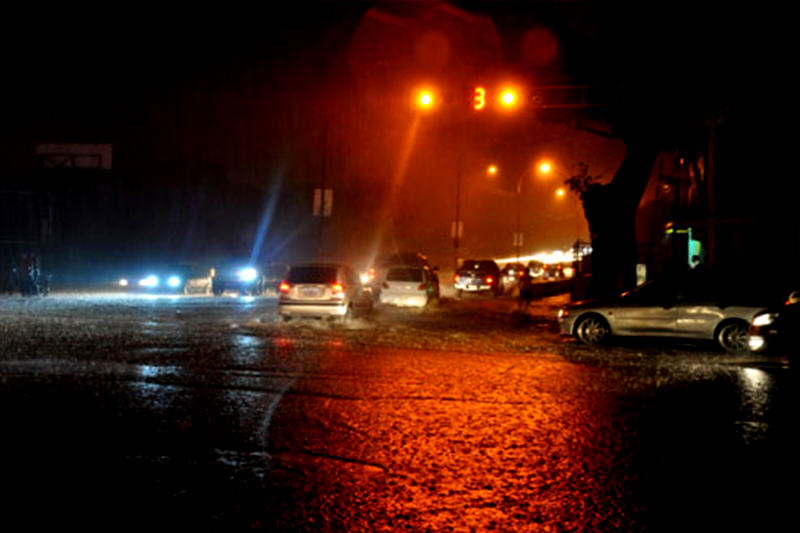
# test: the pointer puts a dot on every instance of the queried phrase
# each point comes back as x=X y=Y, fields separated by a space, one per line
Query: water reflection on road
x=209 y=411
x=437 y=441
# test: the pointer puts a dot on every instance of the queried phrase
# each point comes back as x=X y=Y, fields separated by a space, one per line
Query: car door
x=698 y=307
x=648 y=310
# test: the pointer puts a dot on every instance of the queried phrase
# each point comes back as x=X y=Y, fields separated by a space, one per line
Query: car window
x=312 y=274
x=698 y=289
x=404 y=274
x=655 y=292
x=479 y=265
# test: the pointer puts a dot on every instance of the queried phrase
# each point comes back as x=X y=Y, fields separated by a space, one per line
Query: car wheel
x=732 y=337
x=592 y=330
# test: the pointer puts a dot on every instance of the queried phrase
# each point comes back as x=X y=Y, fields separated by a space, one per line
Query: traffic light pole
x=457 y=224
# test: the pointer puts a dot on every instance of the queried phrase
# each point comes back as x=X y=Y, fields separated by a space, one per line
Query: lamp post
x=492 y=171
x=517 y=232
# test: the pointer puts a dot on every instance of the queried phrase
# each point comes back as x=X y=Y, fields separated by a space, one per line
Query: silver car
x=692 y=307
x=322 y=290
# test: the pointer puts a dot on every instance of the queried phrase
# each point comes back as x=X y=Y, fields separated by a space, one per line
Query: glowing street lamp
x=492 y=170
x=544 y=167
x=561 y=192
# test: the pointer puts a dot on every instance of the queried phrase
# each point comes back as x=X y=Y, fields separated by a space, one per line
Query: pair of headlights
x=246 y=274
x=152 y=281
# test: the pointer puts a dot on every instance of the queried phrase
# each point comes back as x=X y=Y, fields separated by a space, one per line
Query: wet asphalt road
x=204 y=413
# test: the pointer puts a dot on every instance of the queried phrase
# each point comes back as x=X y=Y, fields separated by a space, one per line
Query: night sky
x=224 y=121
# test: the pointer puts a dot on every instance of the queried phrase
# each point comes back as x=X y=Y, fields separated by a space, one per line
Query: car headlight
x=247 y=274
x=123 y=282
x=174 y=281
x=563 y=313
x=755 y=342
x=765 y=319
x=149 y=281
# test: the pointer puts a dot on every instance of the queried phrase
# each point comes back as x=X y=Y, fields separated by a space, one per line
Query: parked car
x=777 y=329
x=409 y=285
x=692 y=306
x=242 y=276
x=322 y=290
x=477 y=275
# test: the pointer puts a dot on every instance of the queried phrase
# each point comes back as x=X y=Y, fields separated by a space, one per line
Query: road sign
x=323 y=202
x=460 y=229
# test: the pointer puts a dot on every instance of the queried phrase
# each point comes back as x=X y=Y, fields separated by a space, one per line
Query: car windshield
x=404 y=274
x=654 y=292
x=312 y=274
x=478 y=265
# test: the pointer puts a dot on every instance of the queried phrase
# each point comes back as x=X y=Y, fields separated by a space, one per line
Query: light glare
x=247 y=274
x=149 y=281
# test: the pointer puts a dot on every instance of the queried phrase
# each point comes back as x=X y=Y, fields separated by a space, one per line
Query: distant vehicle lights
x=149 y=282
x=174 y=281
x=247 y=274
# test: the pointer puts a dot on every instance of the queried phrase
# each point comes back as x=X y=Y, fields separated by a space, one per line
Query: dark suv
x=478 y=275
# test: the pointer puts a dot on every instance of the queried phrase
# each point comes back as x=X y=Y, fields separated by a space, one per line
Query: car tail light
x=489 y=280
x=455 y=277
x=284 y=287
x=337 y=289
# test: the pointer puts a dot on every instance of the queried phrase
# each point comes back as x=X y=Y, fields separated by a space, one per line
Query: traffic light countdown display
x=480 y=98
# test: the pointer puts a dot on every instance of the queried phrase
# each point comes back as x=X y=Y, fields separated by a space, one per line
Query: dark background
x=224 y=120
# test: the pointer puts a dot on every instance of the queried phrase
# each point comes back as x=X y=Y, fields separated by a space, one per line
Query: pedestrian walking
x=525 y=290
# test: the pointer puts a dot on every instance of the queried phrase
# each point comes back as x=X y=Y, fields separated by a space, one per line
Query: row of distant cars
x=696 y=306
x=303 y=290
x=239 y=276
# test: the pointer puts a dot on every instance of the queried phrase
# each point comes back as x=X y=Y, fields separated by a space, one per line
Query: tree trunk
x=611 y=213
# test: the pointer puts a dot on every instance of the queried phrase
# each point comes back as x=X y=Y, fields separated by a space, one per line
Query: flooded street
x=208 y=413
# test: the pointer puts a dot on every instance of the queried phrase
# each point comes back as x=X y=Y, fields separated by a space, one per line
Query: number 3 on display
x=479 y=98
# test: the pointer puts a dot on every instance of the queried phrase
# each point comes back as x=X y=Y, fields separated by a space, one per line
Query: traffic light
x=425 y=99
x=509 y=98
